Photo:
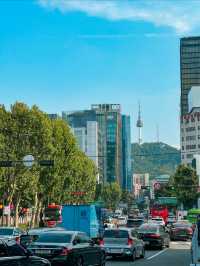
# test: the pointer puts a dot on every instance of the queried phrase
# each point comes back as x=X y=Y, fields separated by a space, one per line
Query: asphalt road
x=177 y=255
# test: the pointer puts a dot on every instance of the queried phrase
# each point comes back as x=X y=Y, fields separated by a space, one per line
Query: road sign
x=46 y=163
x=6 y=210
x=156 y=186
x=28 y=160
x=6 y=163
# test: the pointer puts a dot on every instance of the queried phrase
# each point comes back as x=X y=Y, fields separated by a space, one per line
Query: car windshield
x=6 y=231
x=54 y=238
x=116 y=234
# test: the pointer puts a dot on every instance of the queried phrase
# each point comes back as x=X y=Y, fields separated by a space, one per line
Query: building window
x=189 y=156
x=183 y=156
x=183 y=148
x=188 y=129
x=190 y=137
x=182 y=138
x=190 y=147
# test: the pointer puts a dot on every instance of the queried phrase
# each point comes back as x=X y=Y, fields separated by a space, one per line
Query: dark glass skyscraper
x=127 y=183
x=189 y=67
x=110 y=125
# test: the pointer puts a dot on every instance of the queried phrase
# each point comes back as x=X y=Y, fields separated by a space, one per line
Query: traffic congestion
x=120 y=239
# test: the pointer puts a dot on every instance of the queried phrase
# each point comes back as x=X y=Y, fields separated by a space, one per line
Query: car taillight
x=190 y=231
x=101 y=242
x=154 y=235
x=130 y=242
x=65 y=251
x=17 y=239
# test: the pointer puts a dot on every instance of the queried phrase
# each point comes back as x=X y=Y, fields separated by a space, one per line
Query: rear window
x=136 y=223
x=6 y=231
x=55 y=238
x=182 y=225
x=116 y=234
x=148 y=229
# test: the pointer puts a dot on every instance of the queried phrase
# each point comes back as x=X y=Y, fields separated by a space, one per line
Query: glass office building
x=110 y=125
x=189 y=68
x=85 y=128
x=127 y=183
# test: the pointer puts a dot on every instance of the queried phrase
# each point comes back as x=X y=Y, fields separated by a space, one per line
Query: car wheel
x=79 y=261
x=143 y=253
x=133 y=257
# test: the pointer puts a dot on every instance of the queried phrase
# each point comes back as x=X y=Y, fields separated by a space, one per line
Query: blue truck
x=85 y=218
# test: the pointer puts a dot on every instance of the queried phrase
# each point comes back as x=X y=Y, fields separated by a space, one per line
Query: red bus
x=52 y=215
x=160 y=211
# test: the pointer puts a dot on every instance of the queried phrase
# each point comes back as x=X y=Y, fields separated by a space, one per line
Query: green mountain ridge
x=154 y=158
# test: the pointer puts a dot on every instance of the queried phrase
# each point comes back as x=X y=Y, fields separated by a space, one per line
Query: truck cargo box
x=80 y=218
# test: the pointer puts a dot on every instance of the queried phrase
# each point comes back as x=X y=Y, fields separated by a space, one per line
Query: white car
x=122 y=220
x=158 y=220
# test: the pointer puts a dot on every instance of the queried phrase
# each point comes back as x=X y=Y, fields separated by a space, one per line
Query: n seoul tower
x=139 y=126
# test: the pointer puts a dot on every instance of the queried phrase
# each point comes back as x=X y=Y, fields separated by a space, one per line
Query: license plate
x=43 y=251
x=115 y=250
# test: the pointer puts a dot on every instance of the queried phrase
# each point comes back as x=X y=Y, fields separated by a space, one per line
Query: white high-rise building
x=87 y=138
x=190 y=127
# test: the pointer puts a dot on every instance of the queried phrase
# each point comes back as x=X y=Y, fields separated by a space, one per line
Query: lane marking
x=157 y=254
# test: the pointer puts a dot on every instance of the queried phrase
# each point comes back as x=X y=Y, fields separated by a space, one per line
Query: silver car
x=10 y=233
x=123 y=242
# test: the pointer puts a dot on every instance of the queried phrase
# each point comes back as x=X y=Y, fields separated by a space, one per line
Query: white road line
x=157 y=254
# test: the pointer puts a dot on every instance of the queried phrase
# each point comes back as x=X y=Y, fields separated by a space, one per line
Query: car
x=158 y=220
x=154 y=235
x=33 y=234
x=134 y=222
x=181 y=231
x=122 y=220
x=10 y=232
x=12 y=254
x=123 y=242
x=68 y=248
x=171 y=219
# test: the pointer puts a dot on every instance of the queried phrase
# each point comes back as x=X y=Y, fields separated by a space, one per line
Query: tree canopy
x=25 y=130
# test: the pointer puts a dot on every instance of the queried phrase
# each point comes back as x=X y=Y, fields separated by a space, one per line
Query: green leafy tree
x=185 y=183
x=111 y=195
x=25 y=130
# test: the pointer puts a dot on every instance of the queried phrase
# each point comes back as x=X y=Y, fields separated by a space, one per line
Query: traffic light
x=46 y=163
x=6 y=163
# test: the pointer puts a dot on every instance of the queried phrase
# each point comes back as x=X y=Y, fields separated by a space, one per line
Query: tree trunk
x=17 y=213
x=37 y=214
x=34 y=211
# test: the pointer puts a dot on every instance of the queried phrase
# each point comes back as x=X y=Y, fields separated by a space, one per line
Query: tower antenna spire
x=139 y=124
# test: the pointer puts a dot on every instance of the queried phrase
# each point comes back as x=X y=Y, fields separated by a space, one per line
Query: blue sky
x=68 y=54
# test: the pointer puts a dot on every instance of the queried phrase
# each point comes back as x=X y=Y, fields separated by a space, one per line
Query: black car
x=68 y=248
x=154 y=235
x=33 y=234
x=13 y=254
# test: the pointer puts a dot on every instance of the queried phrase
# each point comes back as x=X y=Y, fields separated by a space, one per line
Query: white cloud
x=181 y=15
